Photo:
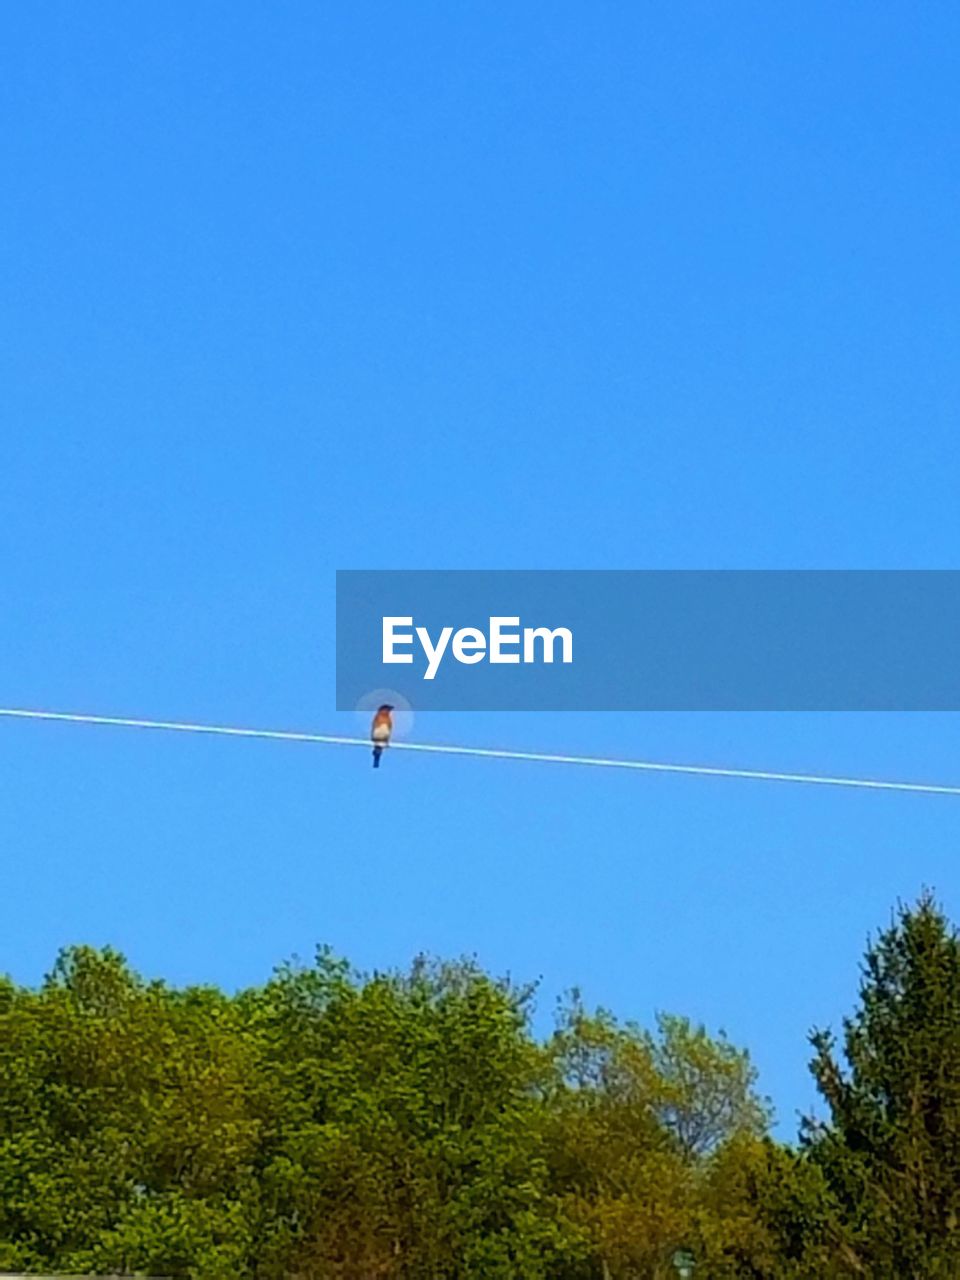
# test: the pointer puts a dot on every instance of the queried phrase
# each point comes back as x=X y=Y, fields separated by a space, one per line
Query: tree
x=127 y=1125
x=407 y=1140
x=891 y=1149
x=638 y=1120
x=408 y=1126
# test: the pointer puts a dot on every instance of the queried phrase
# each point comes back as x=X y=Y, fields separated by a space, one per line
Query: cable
x=491 y=753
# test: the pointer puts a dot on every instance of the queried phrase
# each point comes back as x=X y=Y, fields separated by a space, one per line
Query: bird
x=380 y=732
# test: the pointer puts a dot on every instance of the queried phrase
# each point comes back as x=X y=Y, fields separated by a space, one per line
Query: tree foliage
x=329 y=1125
x=891 y=1149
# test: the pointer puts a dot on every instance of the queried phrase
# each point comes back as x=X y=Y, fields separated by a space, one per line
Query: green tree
x=334 y=1126
x=407 y=1142
x=638 y=1120
x=127 y=1131
x=768 y=1214
x=891 y=1148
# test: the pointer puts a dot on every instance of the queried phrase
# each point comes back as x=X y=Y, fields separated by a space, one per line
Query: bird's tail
x=377 y=753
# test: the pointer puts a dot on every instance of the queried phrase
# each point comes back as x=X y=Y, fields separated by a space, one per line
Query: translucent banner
x=650 y=640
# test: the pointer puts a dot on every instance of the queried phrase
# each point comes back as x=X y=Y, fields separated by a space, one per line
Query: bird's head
x=386 y=707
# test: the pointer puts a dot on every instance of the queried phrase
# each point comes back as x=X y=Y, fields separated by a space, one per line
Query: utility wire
x=491 y=753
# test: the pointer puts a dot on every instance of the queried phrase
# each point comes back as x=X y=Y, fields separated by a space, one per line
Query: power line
x=490 y=753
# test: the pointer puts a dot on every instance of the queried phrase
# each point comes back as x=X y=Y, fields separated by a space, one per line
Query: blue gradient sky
x=292 y=288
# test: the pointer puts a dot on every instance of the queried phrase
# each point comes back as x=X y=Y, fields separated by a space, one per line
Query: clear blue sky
x=297 y=287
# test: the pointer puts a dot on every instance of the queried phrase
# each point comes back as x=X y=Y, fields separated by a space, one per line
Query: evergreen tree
x=891 y=1149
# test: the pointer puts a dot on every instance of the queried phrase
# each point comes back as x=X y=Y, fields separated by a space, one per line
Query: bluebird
x=380 y=732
